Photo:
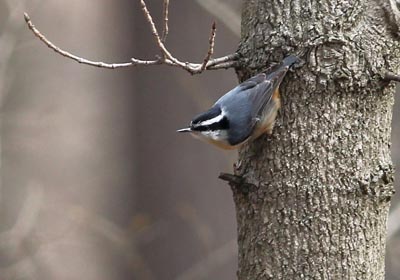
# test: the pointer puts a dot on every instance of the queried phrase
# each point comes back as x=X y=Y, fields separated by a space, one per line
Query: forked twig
x=167 y=58
x=165 y=17
x=164 y=51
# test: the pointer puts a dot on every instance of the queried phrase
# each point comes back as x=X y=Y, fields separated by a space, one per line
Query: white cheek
x=215 y=135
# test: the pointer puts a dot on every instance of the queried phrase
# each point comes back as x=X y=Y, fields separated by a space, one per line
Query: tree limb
x=165 y=17
x=167 y=58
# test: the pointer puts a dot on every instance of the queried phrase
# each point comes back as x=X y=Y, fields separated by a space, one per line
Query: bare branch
x=167 y=58
x=237 y=183
x=154 y=31
x=225 y=59
x=211 y=42
x=72 y=56
x=230 y=178
x=165 y=17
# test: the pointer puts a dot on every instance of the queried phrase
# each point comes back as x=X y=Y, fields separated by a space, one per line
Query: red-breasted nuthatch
x=244 y=113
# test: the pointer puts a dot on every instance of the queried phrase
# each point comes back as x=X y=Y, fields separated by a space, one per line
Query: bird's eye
x=199 y=127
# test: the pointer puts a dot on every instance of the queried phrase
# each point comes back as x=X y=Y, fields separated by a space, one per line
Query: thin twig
x=230 y=178
x=72 y=56
x=165 y=17
x=210 y=52
x=237 y=183
x=154 y=31
x=225 y=59
x=167 y=58
x=226 y=65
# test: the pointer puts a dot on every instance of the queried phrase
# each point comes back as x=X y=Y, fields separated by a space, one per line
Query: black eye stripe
x=200 y=128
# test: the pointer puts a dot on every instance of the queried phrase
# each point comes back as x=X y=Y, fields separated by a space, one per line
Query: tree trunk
x=314 y=198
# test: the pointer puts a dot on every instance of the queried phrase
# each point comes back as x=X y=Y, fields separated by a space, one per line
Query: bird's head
x=211 y=126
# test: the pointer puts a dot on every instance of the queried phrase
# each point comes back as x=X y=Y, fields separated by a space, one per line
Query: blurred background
x=95 y=183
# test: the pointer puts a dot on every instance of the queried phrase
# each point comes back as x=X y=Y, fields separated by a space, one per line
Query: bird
x=244 y=113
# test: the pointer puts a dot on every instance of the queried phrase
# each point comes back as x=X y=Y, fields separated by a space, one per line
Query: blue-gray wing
x=255 y=93
x=249 y=101
x=260 y=88
x=246 y=104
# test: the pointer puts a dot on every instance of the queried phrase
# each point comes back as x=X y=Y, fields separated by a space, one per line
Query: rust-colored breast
x=269 y=117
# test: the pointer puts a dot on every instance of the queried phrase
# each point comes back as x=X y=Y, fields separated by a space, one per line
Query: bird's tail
x=289 y=61
x=277 y=72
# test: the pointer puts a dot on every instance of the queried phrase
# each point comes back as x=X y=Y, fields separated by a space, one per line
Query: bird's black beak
x=188 y=129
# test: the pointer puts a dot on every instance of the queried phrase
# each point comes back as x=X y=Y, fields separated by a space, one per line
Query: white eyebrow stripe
x=213 y=120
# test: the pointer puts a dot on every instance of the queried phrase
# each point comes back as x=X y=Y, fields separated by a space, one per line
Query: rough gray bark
x=316 y=194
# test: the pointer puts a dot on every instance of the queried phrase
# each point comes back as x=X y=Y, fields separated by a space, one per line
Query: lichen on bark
x=324 y=179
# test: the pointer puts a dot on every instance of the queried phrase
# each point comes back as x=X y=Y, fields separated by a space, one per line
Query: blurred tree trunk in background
x=317 y=192
x=65 y=144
